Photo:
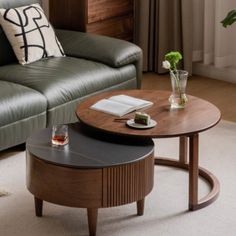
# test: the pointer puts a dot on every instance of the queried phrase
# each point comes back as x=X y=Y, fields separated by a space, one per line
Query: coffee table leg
x=140 y=207
x=183 y=149
x=193 y=171
x=92 y=220
x=38 y=206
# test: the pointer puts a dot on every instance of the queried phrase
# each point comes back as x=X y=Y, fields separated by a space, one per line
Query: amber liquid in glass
x=59 y=139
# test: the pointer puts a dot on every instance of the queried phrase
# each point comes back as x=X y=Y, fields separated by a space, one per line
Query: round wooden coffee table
x=198 y=116
x=90 y=172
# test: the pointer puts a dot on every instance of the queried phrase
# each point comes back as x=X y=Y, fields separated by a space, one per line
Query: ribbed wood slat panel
x=127 y=183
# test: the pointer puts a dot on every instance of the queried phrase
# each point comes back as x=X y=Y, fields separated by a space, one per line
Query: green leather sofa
x=46 y=92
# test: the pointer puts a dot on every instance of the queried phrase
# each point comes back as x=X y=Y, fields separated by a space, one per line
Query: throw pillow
x=31 y=35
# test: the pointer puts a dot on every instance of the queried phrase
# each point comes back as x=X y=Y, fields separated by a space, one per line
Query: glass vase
x=178 y=98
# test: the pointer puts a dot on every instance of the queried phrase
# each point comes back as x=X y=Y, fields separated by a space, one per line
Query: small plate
x=132 y=124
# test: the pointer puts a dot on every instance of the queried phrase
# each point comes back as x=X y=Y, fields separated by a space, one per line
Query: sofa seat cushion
x=18 y=103
x=63 y=80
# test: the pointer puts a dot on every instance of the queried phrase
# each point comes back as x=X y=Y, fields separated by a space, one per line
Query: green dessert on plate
x=142 y=118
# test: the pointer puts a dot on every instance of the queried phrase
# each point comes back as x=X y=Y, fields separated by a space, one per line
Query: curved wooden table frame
x=194 y=171
x=198 y=116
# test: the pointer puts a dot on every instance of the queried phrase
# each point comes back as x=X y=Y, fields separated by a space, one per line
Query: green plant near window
x=229 y=19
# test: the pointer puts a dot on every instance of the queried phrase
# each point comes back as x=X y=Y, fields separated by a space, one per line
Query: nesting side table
x=198 y=116
x=90 y=172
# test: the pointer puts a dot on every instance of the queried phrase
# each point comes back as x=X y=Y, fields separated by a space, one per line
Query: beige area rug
x=166 y=207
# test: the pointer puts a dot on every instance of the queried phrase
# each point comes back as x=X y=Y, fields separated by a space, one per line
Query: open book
x=120 y=105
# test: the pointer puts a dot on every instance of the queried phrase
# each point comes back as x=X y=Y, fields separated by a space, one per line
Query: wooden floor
x=220 y=93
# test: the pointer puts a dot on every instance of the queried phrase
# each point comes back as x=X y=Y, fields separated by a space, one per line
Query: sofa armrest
x=110 y=51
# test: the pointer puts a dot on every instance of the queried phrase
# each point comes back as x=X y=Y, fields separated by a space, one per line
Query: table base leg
x=183 y=149
x=38 y=203
x=140 y=207
x=92 y=220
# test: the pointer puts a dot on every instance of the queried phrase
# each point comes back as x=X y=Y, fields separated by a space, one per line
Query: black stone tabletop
x=88 y=149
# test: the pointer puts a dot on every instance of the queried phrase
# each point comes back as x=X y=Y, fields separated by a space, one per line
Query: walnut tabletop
x=197 y=116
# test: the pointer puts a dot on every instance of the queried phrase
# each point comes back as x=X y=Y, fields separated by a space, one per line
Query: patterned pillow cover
x=30 y=34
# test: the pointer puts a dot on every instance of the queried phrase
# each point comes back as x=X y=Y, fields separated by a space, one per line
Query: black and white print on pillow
x=30 y=34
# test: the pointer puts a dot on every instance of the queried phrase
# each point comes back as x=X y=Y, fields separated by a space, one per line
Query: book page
x=112 y=107
x=134 y=102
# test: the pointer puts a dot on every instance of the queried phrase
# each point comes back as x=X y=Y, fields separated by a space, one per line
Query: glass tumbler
x=60 y=135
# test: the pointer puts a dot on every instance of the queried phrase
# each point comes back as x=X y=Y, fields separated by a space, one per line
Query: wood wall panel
x=106 y=17
x=68 y=14
x=120 y=27
x=99 y=10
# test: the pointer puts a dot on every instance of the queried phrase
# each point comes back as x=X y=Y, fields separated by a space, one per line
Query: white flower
x=166 y=65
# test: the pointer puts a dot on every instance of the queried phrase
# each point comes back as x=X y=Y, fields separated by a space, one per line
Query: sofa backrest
x=6 y=53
